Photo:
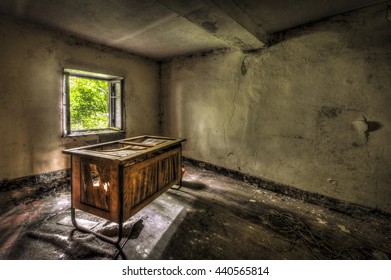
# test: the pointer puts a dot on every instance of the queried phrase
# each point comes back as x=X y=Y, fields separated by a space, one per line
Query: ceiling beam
x=223 y=19
x=237 y=14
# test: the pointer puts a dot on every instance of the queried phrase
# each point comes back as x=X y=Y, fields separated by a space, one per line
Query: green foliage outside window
x=89 y=108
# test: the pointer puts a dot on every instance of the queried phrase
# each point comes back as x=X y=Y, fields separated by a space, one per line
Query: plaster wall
x=31 y=66
x=312 y=111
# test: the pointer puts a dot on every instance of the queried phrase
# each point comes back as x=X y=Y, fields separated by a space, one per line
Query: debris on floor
x=210 y=217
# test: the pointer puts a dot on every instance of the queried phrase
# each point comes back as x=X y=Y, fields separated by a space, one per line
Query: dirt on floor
x=209 y=217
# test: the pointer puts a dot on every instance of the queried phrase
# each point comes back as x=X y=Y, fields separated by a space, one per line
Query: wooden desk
x=115 y=180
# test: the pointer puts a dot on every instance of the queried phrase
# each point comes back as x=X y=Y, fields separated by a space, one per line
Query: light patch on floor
x=343 y=228
x=320 y=221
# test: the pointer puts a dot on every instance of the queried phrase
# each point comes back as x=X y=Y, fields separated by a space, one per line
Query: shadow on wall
x=373 y=126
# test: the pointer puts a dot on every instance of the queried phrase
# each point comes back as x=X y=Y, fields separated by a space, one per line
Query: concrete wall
x=312 y=111
x=31 y=63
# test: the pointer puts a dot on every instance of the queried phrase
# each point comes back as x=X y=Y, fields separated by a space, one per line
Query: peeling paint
x=361 y=127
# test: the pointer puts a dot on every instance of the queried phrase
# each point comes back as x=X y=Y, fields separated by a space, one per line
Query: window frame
x=114 y=124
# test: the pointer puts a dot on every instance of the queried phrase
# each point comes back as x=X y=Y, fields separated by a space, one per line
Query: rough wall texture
x=32 y=60
x=312 y=111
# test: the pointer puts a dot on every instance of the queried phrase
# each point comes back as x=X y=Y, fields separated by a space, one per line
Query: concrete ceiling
x=161 y=29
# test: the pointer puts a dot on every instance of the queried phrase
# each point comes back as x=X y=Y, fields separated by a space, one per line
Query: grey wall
x=32 y=60
x=312 y=111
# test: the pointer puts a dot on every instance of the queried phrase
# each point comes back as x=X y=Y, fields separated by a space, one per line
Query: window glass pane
x=115 y=104
x=89 y=103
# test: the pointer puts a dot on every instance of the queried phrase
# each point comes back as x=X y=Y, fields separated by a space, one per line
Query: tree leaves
x=89 y=103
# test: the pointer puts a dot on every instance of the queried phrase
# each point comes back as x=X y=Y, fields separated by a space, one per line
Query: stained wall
x=312 y=111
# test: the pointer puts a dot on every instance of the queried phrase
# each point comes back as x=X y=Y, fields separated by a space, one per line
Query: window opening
x=92 y=101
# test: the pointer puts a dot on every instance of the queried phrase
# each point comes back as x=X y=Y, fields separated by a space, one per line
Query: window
x=92 y=102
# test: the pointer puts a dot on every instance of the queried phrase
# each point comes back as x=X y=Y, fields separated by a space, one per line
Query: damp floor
x=211 y=217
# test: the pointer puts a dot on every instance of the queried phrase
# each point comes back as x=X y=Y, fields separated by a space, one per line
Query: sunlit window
x=92 y=102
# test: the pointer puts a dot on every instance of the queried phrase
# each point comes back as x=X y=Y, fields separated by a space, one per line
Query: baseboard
x=43 y=178
x=314 y=198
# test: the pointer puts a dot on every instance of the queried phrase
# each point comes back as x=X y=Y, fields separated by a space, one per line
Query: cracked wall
x=311 y=111
x=32 y=59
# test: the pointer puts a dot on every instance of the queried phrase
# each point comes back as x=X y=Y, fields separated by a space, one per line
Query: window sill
x=97 y=136
x=95 y=132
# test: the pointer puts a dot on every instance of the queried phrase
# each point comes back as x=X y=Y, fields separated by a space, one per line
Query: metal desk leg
x=97 y=234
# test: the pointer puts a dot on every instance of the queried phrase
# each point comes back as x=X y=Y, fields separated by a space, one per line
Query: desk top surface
x=126 y=149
